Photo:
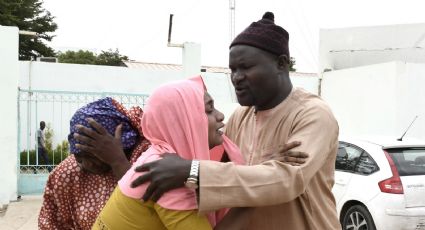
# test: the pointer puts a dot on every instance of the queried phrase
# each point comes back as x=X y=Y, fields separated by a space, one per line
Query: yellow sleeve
x=182 y=220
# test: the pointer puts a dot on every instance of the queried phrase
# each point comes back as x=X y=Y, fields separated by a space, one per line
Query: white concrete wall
x=221 y=89
x=411 y=99
x=9 y=72
x=90 y=78
x=191 y=58
x=360 y=46
x=379 y=99
x=309 y=83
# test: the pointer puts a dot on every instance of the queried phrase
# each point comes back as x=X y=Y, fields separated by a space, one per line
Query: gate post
x=9 y=75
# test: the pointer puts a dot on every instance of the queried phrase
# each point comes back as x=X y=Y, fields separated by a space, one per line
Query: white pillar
x=9 y=74
x=191 y=59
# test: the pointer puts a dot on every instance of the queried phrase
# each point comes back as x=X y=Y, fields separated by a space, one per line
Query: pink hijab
x=174 y=121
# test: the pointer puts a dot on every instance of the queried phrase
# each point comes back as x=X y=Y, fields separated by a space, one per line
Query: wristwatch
x=192 y=180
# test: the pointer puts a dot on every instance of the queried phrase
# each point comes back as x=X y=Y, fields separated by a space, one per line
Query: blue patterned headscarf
x=105 y=113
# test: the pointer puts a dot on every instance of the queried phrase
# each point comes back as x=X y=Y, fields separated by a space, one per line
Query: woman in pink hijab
x=179 y=117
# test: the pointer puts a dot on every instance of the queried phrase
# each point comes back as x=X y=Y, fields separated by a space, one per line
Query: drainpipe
x=29 y=102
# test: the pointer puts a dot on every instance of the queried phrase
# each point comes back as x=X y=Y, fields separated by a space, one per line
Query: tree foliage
x=48 y=137
x=109 y=57
x=31 y=16
x=78 y=57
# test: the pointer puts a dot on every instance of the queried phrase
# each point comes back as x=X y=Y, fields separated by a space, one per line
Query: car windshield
x=409 y=162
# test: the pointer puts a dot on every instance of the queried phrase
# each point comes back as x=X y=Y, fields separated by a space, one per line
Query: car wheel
x=357 y=217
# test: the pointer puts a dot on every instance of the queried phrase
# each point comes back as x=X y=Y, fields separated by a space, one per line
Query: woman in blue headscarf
x=78 y=188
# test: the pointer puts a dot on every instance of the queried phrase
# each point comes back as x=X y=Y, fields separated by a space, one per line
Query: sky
x=139 y=28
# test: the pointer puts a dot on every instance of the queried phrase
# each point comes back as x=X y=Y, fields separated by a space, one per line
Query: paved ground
x=21 y=214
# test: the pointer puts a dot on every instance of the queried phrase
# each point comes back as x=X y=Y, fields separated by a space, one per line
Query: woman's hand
x=103 y=145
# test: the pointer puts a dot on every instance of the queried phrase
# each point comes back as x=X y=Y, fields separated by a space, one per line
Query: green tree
x=79 y=57
x=292 y=64
x=63 y=147
x=29 y=15
x=60 y=153
x=48 y=137
x=109 y=57
x=112 y=58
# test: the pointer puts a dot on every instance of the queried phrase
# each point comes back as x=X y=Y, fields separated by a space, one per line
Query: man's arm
x=172 y=171
x=227 y=185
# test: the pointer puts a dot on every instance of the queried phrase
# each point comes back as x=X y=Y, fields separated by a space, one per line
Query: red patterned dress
x=73 y=198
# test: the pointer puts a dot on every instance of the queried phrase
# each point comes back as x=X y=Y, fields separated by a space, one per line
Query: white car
x=380 y=184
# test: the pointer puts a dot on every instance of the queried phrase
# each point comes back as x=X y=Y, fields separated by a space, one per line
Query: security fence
x=55 y=108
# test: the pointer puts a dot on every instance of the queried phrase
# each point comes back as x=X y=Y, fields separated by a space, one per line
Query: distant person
x=273 y=113
x=78 y=188
x=41 y=146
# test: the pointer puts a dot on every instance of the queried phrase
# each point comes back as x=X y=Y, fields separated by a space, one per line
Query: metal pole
x=36 y=121
x=232 y=8
x=53 y=149
x=19 y=135
x=170 y=27
x=28 y=136
x=61 y=129
x=29 y=102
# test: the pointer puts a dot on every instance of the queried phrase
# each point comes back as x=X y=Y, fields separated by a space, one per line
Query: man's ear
x=283 y=61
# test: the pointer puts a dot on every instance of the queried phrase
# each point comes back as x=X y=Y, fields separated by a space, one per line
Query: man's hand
x=286 y=155
x=168 y=173
x=103 y=145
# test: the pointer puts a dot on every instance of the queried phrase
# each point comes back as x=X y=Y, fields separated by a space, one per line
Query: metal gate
x=55 y=108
